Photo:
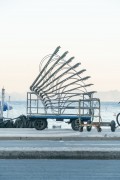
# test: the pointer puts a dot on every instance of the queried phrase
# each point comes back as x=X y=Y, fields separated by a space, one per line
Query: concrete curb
x=8 y=154
x=59 y=138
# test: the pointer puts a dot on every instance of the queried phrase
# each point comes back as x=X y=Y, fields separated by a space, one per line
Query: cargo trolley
x=88 y=113
x=61 y=92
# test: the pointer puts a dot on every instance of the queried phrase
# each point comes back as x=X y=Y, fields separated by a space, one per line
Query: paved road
x=39 y=149
x=42 y=144
x=59 y=169
x=59 y=144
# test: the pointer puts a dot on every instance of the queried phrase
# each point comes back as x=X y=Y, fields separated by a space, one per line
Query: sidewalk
x=57 y=134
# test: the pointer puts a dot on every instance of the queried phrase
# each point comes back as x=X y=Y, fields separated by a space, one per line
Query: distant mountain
x=109 y=95
x=103 y=95
x=16 y=96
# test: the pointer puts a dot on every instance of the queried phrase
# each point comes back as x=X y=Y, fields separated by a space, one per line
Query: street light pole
x=2 y=103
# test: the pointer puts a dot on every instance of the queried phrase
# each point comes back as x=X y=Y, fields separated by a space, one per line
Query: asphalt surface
x=59 y=144
x=59 y=169
x=45 y=144
x=45 y=149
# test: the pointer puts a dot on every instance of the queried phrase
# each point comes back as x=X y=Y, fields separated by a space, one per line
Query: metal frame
x=34 y=102
x=90 y=107
x=61 y=86
x=58 y=82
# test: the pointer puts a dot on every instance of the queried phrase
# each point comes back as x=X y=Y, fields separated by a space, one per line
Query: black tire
x=81 y=128
x=17 y=123
x=89 y=127
x=9 y=124
x=40 y=124
x=1 y=124
x=118 y=119
x=23 y=121
x=75 y=124
x=113 y=126
x=99 y=129
x=21 y=124
x=28 y=124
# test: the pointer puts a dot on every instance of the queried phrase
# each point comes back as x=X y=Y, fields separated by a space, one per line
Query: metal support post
x=2 y=103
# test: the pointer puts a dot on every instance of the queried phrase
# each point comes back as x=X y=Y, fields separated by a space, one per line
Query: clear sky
x=31 y=29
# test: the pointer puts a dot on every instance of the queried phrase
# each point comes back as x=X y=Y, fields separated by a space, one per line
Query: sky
x=31 y=29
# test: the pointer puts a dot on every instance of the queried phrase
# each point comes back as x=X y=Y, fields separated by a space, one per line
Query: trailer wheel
x=89 y=127
x=118 y=119
x=112 y=124
x=99 y=129
x=40 y=124
x=17 y=123
x=75 y=124
x=81 y=128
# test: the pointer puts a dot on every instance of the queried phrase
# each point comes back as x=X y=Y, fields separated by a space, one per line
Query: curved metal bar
x=50 y=69
x=69 y=85
x=76 y=65
x=55 y=52
x=58 y=82
x=64 y=80
x=72 y=94
x=57 y=71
